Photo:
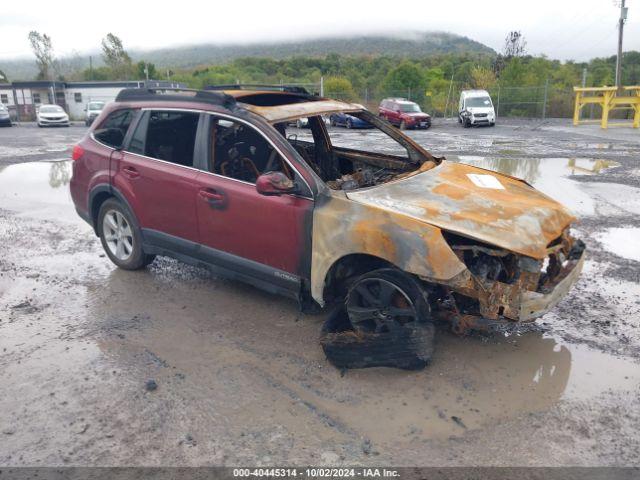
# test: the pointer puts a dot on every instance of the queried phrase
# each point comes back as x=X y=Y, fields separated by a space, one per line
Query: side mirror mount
x=275 y=183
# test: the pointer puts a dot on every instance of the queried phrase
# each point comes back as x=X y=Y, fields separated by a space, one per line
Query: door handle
x=130 y=172
x=215 y=198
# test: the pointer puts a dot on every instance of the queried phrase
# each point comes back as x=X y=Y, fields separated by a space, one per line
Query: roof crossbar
x=174 y=95
x=260 y=86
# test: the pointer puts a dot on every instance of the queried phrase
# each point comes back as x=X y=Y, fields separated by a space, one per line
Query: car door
x=267 y=238
x=394 y=113
x=156 y=176
x=384 y=110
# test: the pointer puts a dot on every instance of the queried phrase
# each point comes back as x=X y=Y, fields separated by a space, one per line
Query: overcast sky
x=564 y=29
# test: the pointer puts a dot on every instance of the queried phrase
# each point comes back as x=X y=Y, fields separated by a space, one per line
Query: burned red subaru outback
x=218 y=178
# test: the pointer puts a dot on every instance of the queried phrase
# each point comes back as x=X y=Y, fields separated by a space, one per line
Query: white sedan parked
x=51 y=115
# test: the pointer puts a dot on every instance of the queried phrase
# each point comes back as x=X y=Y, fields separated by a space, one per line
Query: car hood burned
x=490 y=207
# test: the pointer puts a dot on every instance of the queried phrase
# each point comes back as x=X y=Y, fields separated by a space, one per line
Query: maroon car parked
x=394 y=234
x=403 y=113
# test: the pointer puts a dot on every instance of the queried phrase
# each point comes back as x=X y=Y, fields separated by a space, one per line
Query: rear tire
x=121 y=237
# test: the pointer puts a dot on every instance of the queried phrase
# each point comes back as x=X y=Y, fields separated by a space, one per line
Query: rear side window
x=167 y=135
x=114 y=128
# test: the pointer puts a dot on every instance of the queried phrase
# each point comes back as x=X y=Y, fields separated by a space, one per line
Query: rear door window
x=166 y=135
x=114 y=128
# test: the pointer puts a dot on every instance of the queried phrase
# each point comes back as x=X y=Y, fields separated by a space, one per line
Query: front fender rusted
x=342 y=227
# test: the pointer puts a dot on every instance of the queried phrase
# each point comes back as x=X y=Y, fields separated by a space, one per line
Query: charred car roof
x=272 y=105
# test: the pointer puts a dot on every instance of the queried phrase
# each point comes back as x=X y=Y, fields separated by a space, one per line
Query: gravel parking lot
x=240 y=376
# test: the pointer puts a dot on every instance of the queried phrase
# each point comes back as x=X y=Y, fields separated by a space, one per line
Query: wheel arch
x=347 y=267
x=98 y=195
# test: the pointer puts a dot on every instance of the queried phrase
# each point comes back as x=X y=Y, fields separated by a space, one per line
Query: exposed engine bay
x=364 y=176
x=499 y=277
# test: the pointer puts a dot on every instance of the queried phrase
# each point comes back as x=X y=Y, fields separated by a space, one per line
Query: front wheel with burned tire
x=385 y=321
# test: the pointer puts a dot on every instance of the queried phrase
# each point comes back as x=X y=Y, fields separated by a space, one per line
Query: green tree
x=43 y=50
x=482 y=78
x=116 y=58
x=99 y=73
x=437 y=89
x=406 y=77
x=140 y=73
x=340 y=88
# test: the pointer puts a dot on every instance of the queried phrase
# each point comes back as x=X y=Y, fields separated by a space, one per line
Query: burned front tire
x=385 y=321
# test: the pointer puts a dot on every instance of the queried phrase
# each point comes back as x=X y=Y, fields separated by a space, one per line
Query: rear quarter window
x=113 y=129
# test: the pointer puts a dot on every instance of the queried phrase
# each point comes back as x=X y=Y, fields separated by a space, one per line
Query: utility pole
x=90 y=67
x=544 y=102
x=623 y=17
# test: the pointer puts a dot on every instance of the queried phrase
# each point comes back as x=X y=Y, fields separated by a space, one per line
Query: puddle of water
x=479 y=381
x=239 y=331
x=39 y=189
x=549 y=175
x=623 y=241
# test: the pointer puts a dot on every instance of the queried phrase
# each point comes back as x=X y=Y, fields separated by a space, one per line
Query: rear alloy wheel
x=403 y=125
x=120 y=236
x=349 y=123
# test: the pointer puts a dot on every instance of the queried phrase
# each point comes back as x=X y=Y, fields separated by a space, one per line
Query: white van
x=92 y=110
x=476 y=108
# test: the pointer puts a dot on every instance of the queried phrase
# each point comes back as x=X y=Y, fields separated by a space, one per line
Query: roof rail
x=160 y=94
x=260 y=86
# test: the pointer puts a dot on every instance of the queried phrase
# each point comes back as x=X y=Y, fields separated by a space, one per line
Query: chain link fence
x=540 y=101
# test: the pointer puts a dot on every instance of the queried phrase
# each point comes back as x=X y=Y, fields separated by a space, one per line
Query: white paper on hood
x=485 y=181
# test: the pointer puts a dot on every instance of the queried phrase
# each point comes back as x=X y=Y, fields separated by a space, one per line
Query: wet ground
x=80 y=339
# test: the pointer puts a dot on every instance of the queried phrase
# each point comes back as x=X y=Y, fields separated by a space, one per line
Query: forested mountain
x=417 y=45
x=412 y=45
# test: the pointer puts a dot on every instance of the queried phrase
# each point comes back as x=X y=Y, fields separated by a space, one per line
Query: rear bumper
x=535 y=304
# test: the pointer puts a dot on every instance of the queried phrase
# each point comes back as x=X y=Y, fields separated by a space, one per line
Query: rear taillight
x=77 y=152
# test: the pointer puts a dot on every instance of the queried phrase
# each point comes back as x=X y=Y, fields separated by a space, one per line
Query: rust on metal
x=496 y=249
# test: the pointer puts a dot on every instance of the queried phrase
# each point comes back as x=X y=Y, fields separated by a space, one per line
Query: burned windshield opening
x=349 y=158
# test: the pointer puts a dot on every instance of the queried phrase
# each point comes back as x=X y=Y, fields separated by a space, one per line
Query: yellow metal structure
x=609 y=98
